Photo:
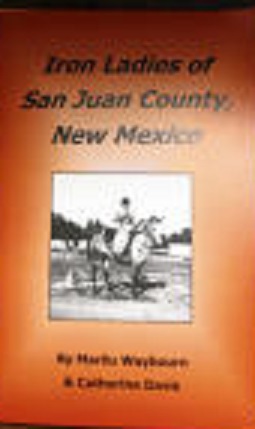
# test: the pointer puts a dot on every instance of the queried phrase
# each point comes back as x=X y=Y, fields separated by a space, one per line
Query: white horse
x=130 y=247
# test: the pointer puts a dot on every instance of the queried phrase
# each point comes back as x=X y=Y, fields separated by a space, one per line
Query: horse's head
x=151 y=229
x=99 y=243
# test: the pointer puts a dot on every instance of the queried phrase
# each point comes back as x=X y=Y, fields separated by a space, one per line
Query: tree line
x=70 y=231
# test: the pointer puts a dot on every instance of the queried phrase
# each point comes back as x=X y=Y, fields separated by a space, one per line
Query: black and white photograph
x=121 y=247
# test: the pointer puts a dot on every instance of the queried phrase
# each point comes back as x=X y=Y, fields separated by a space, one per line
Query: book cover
x=127 y=218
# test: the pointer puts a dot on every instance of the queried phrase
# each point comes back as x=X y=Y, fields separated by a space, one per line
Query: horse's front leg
x=94 y=278
x=137 y=284
x=107 y=276
x=106 y=272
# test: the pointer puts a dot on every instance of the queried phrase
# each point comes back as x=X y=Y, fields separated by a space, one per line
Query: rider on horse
x=131 y=246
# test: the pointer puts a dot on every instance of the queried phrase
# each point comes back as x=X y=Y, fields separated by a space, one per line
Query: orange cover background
x=218 y=389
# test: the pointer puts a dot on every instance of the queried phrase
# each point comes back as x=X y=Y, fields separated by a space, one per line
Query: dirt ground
x=163 y=295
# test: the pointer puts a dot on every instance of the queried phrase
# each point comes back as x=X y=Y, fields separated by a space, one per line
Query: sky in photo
x=83 y=196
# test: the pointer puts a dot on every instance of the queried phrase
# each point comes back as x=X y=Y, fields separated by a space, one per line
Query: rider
x=124 y=217
x=126 y=224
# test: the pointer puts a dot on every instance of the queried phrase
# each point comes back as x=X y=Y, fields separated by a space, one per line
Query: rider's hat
x=125 y=201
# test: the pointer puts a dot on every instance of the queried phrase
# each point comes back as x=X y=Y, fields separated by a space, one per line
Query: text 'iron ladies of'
x=145 y=64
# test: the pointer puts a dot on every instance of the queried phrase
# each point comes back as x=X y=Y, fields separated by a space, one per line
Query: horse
x=129 y=247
